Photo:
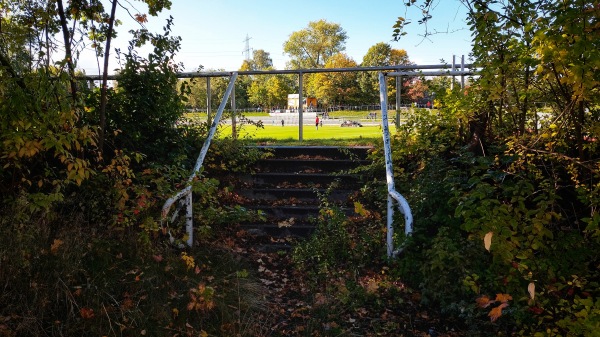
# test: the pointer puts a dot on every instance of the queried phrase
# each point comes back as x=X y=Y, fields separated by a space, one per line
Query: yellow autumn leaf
x=487 y=240
x=359 y=209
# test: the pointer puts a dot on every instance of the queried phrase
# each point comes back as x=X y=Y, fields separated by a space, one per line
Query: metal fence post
x=208 y=103
x=453 y=69
x=300 y=107
x=462 y=68
x=398 y=99
x=233 y=120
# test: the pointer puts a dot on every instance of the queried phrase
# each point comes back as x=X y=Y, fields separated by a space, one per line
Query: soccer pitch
x=291 y=132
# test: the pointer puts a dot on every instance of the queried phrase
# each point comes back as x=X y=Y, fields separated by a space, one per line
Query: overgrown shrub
x=77 y=281
x=533 y=209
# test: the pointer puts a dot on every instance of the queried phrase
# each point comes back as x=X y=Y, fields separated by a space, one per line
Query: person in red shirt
x=317 y=123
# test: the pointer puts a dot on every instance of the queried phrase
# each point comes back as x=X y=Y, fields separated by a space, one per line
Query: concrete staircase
x=287 y=185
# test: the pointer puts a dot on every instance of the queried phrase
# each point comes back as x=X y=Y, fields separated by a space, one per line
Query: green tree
x=44 y=147
x=266 y=91
x=440 y=89
x=258 y=94
x=148 y=101
x=567 y=44
x=218 y=86
x=312 y=46
x=337 y=87
x=380 y=54
x=270 y=91
x=261 y=60
x=532 y=51
x=196 y=99
x=39 y=45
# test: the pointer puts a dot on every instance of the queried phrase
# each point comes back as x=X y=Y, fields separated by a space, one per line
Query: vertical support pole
x=233 y=120
x=453 y=68
x=390 y=228
x=300 y=107
x=398 y=99
x=462 y=69
x=91 y=84
x=208 y=102
x=189 y=220
x=389 y=173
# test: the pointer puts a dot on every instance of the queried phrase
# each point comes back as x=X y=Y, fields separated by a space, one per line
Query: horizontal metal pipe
x=202 y=74
x=434 y=73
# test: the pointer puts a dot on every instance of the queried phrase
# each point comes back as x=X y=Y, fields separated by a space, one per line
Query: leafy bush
x=532 y=207
x=329 y=245
x=44 y=148
x=147 y=102
x=527 y=207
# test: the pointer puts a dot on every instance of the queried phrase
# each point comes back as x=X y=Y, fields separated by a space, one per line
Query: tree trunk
x=68 y=52
x=579 y=122
x=525 y=106
x=477 y=128
x=103 y=93
x=5 y=64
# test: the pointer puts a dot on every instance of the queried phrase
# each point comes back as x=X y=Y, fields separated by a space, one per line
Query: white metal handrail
x=187 y=191
x=393 y=195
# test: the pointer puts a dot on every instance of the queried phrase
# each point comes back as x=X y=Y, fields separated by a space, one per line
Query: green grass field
x=326 y=135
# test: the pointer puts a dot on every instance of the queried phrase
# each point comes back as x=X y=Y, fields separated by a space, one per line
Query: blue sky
x=213 y=31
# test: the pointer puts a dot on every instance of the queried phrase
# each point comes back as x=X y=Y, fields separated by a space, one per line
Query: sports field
x=291 y=133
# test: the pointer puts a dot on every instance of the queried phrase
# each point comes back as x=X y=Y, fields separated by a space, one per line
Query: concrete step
x=318 y=152
x=285 y=212
x=308 y=165
x=302 y=195
x=287 y=187
x=300 y=180
x=280 y=231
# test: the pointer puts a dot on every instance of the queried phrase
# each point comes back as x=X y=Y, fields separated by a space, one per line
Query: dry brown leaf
x=320 y=299
x=503 y=298
x=487 y=240
x=56 y=245
x=86 y=313
x=496 y=312
x=531 y=290
x=372 y=287
x=484 y=301
x=286 y=223
x=157 y=258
